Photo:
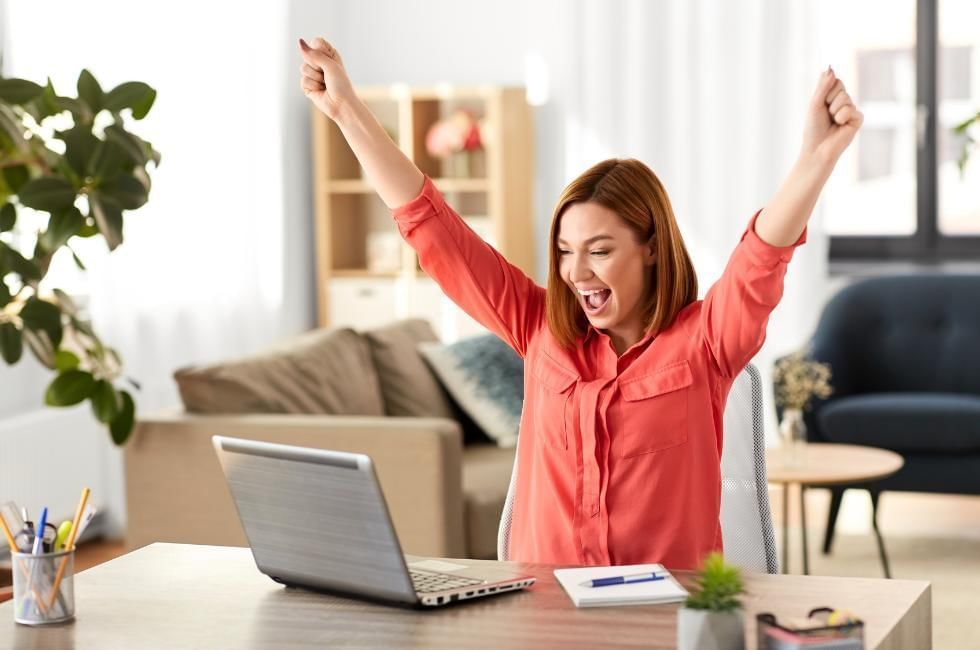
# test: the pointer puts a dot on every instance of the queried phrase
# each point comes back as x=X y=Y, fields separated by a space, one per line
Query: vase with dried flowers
x=797 y=380
x=455 y=138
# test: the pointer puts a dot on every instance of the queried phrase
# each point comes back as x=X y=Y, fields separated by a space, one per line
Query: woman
x=627 y=373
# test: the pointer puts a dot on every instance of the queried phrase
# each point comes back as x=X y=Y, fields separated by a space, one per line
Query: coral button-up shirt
x=619 y=455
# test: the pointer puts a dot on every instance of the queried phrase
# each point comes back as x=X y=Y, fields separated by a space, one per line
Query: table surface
x=831 y=463
x=175 y=595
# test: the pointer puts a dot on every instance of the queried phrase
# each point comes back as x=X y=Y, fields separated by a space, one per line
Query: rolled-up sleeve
x=736 y=308
x=470 y=271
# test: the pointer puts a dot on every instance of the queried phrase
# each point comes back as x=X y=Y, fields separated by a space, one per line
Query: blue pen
x=39 y=532
x=622 y=580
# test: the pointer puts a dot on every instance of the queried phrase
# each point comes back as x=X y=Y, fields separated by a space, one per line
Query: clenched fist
x=324 y=79
x=832 y=120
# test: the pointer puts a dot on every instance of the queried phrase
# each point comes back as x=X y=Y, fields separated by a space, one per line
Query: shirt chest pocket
x=654 y=409
x=553 y=388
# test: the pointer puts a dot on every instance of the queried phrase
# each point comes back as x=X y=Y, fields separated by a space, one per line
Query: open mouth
x=595 y=302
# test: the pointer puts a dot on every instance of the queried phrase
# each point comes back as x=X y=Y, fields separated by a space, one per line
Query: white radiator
x=46 y=458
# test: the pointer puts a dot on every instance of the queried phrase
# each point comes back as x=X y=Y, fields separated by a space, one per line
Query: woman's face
x=599 y=255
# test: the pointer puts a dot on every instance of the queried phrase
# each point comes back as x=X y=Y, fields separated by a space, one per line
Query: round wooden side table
x=823 y=465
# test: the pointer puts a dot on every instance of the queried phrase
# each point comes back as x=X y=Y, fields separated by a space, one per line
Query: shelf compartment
x=364 y=238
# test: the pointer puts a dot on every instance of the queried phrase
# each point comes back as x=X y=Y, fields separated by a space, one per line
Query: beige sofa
x=445 y=497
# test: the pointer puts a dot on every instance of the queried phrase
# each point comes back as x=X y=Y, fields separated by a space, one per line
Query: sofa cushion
x=486 y=477
x=905 y=422
x=486 y=379
x=407 y=384
x=322 y=371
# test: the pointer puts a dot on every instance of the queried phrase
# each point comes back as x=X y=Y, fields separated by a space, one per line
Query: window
x=914 y=69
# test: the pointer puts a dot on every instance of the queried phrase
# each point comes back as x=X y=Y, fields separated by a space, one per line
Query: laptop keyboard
x=427 y=582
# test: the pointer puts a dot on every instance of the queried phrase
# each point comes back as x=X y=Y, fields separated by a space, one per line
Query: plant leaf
x=65 y=360
x=49 y=194
x=46 y=103
x=105 y=402
x=12 y=259
x=108 y=217
x=15 y=177
x=19 y=91
x=5 y=296
x=11 y=343
x=80 y=145
x=137 y=149
x=133 y=94
x=8 y=217
x=69 y=388
x=107 y=160
x=127 y=191
x=62 y=226
x=41 y=315
x=90 y=91
x=122 y=425
x=79 y=110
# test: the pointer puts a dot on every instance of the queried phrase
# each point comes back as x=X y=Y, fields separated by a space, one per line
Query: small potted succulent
x=712 y=618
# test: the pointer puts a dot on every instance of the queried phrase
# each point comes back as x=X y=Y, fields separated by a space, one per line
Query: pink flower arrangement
x=458 y=132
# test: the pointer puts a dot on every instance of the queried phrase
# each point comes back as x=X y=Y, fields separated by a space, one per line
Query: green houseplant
x=969 y=143
x=70 y=165
x=711 y=618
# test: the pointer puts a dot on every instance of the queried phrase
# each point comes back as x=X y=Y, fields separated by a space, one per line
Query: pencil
x=70 y=546
x=9 y=535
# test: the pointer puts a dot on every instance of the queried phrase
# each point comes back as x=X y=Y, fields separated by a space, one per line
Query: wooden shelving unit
x=366 y=274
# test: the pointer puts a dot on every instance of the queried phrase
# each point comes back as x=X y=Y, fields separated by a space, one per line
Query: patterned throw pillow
x=486 y=379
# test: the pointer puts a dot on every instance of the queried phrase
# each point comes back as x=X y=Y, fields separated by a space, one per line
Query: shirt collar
x=593 y=332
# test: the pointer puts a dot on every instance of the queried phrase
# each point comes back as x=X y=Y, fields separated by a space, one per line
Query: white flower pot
x=700 y=629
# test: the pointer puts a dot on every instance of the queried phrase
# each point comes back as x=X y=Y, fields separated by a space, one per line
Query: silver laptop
x=318 y=519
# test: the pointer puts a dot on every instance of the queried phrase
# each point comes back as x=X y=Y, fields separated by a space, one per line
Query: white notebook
x=655 y=592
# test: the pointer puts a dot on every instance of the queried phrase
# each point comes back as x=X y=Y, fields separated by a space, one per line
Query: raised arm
x=470 y=271
x=831 y=124
x=394 y=177
x=737 y=307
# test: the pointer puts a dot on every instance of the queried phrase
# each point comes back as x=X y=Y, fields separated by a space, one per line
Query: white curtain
x=217 y=263
x=712 y=96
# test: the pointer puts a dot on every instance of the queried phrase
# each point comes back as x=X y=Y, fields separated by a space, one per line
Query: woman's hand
x=324 y=79
x=832 y=120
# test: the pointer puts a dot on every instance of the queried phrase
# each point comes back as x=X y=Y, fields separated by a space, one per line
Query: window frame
x=928 y=243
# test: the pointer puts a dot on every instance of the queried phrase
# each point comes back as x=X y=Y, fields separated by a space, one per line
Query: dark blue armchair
x=904 y=353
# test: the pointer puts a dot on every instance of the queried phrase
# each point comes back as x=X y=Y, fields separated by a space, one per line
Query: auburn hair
x=631 y=190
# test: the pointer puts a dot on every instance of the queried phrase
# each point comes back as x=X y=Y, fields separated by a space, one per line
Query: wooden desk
x=182 y=596
x=824 y=464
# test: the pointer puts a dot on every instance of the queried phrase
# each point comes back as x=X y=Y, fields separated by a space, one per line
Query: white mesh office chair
x=746 y=521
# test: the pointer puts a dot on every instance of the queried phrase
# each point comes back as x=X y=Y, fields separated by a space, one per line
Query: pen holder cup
x=35 y=578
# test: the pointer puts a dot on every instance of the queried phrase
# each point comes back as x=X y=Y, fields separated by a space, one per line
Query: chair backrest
x=746 y=520
x=902 y=334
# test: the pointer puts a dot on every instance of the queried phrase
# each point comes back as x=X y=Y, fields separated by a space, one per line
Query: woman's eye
x=600 y=252
x=561 y=252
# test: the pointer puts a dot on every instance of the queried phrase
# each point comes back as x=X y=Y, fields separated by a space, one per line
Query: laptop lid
x=315 y=518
